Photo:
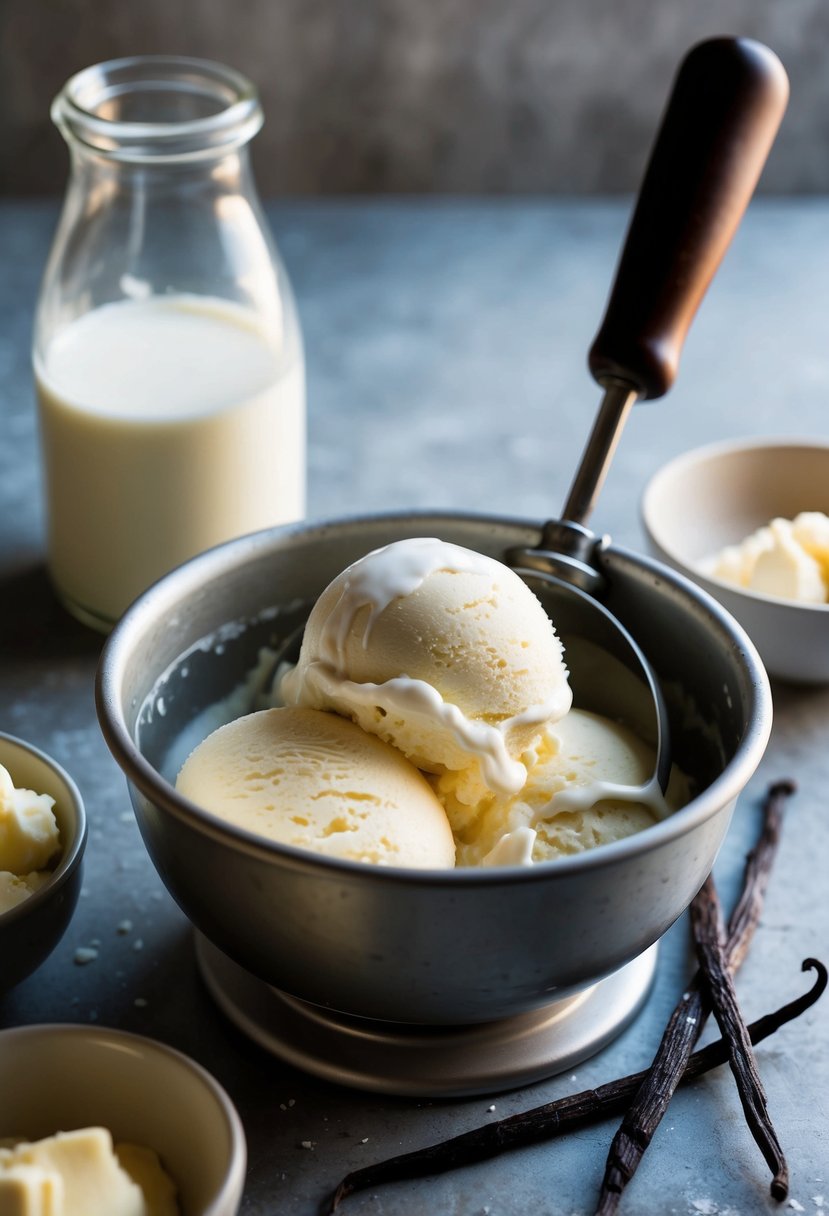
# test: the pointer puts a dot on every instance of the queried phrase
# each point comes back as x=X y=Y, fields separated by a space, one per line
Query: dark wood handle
x=723 y=113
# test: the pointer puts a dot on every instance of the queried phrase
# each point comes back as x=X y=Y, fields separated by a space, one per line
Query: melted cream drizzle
x=384 y=575
x=515 y=848
x=583 y=797
x=407 y=698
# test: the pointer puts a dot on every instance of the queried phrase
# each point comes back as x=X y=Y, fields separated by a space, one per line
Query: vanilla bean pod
x=708 y=936
x=555 y=1118
x=691 y=1013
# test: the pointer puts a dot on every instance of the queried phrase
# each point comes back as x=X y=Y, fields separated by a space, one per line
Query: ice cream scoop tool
x=719 y=124
x=724 y=110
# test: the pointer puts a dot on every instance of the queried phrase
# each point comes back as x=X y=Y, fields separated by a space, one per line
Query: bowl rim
x=71 y=855
x=139 y=773
x=694 y=457
x=114 y=1038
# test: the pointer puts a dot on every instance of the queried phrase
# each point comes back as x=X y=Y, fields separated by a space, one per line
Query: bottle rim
x=79 y=110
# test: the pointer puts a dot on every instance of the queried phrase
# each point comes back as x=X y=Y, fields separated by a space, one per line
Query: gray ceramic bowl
x=30 y=931
x=418 y=946
x=719 y=494
x=65 y=1077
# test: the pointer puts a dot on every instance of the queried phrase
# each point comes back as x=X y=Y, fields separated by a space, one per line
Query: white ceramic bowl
x=716 y=496
x=30 y=931
x=64 y=1077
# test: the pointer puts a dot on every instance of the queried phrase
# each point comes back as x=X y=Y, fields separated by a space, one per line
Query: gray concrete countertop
x=446 y=348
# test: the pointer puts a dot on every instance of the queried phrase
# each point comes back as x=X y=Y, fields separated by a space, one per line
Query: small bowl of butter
x=104 y=1123
x=748 y=521
x=42 y=840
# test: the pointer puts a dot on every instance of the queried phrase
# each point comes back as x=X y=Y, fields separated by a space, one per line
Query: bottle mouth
x=151 y=108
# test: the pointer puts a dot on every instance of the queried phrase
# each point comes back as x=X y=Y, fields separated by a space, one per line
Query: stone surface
x=446 y=347
x=456 y=96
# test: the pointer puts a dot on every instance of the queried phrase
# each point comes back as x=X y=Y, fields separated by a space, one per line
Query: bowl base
x=428 y=1061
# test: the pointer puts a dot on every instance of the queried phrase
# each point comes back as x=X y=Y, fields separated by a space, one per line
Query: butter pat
x=29 y=836
x=29 y=1190
x=788 y=559
x=144 y=1167
x=77 y=1173
x=811 y=531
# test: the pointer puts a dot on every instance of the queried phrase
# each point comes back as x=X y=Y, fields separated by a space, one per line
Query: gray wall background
x=400 y=96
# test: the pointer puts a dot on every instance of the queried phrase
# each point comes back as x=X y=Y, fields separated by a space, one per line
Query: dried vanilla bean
x=555 y=1118
x=708 y=936
x=691 y=1013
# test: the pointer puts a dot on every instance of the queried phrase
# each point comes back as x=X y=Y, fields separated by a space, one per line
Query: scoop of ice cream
x=315 y=780
x=592 y=783
x=788 y=559
x=441 y=651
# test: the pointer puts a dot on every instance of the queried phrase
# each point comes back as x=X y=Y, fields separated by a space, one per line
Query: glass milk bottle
x=167 y=353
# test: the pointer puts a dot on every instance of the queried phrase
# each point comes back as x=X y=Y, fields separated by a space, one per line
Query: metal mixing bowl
x=438 y=948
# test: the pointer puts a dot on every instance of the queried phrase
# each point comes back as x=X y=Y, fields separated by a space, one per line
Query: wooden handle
x=723 y=113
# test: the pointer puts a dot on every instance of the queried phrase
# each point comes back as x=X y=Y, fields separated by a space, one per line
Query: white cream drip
x=513 y=849
x=384 y=575
x=583 y=797
x=407 y=697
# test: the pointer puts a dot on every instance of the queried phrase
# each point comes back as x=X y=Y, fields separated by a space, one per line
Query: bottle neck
x=157 y=110
x=97 y=175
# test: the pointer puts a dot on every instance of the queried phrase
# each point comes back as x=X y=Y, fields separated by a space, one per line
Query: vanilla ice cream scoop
x=316 y=781
x=441 y=651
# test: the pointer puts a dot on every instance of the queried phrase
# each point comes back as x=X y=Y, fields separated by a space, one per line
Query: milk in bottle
x=167 y=356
